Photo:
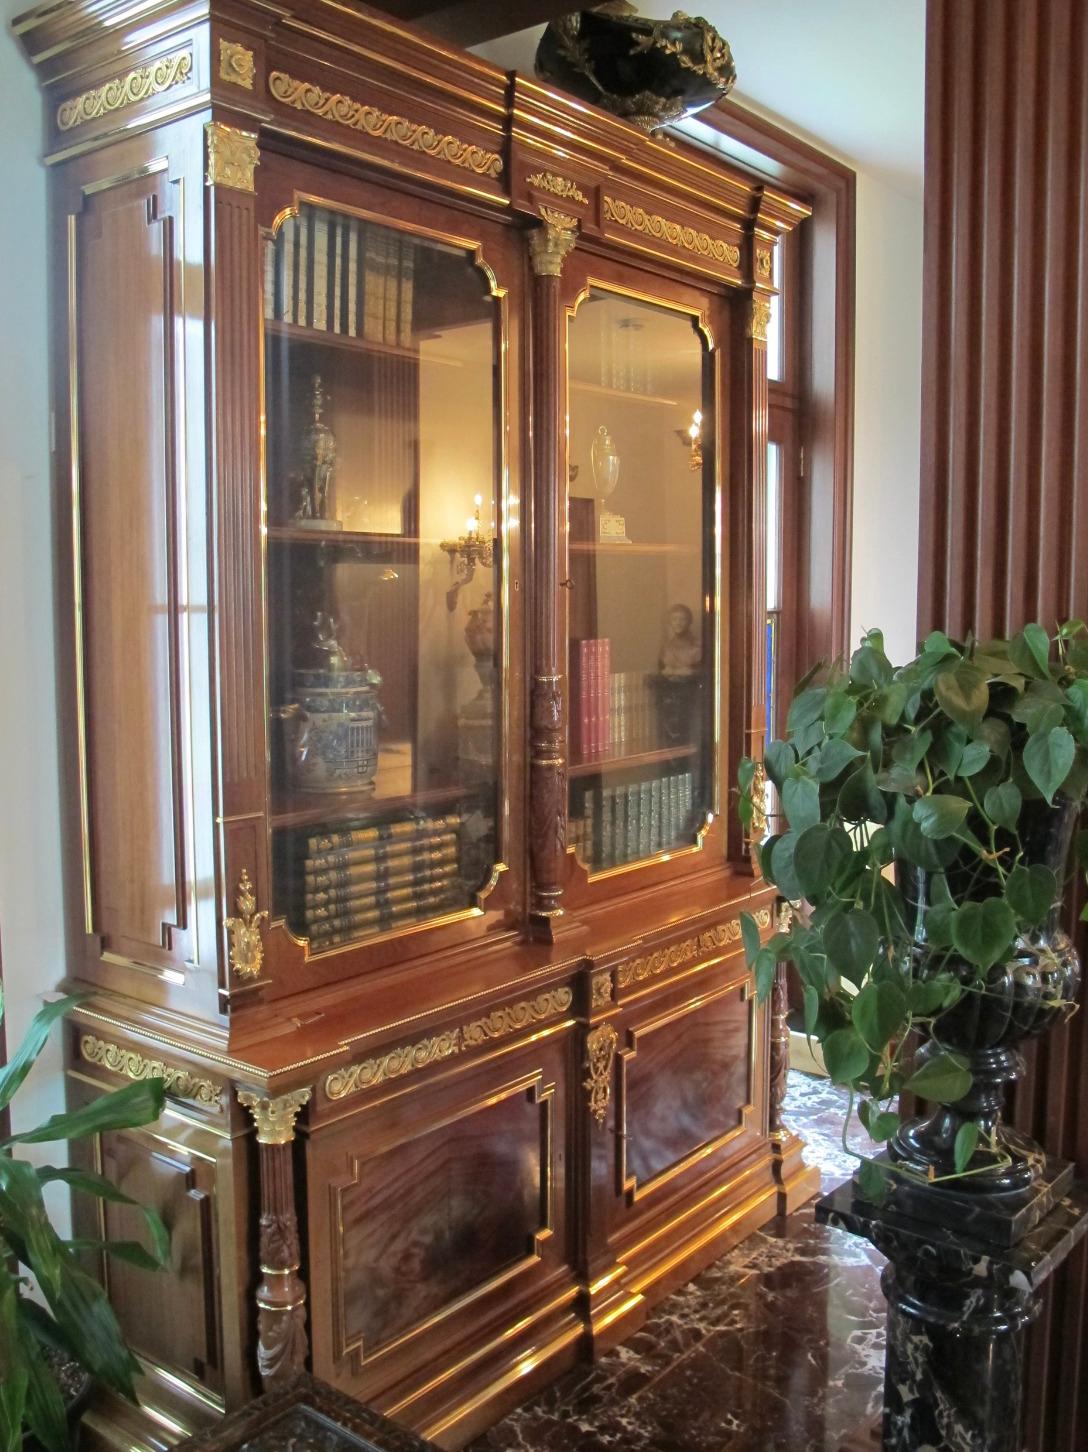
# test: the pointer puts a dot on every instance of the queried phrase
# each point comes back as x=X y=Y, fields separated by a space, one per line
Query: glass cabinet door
x=641 y=539
x=383 y=470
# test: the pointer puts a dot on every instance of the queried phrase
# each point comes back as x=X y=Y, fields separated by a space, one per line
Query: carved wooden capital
x=274 y=1118
x=233 y=157
x=551 y=244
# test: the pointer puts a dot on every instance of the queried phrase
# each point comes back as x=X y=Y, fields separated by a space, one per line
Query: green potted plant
x=54 y=1348
x=925 y=816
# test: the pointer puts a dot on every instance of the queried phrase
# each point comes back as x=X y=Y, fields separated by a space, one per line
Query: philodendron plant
x=906 y=800
x=72 y=1321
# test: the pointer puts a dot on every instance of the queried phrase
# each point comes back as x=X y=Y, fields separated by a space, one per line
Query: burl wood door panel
x=686 y=1085
x=435 y=1210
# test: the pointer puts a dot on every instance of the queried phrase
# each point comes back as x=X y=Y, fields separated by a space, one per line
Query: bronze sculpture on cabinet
x=383 y=982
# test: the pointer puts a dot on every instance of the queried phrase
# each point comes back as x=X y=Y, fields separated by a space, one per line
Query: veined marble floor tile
x=777 y=1347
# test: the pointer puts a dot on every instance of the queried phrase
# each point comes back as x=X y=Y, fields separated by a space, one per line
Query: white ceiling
x=846 y=74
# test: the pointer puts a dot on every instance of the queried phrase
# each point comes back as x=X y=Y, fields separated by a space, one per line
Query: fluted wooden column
x=282 y=1343
x=1004 y=509
x=549 y=245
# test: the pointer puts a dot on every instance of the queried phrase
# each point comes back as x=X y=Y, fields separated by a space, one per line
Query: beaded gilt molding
x=131 y=1064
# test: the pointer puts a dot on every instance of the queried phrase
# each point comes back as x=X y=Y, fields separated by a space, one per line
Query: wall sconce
x=691 y=438
x=466 y=553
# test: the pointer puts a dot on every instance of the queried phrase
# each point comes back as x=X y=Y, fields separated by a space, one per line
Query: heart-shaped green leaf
x=779 y=760
x=801 y=802
x=963 y=693
x=812 y=1008
x=983 y=931
x=785 y=878
x=851 y=940
x=944 y=1078
x=879 y=1014
x=966 y=1143
x=749 y=932
x=806 y=708
x=1002 y=804
x=839 y=712
x=820 y=853
x=1047 y=759
x=834 y=756
x=845 y=1056
x=940 y=815
x=1031 y=892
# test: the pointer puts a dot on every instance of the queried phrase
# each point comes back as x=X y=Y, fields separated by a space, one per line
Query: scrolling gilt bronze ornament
x=649 y=72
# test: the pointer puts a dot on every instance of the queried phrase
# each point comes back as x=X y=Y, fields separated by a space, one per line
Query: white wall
x=31 y=918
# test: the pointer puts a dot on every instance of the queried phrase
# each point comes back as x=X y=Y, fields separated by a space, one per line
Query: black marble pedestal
x=957 y=1307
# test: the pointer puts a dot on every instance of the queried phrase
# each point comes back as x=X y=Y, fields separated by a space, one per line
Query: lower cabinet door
x=439 y=1255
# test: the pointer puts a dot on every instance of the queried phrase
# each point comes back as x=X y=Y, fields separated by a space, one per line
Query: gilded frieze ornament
x=675 y=955
x=407 y=1058
x=600 y=1056
x=274 y=1118
x=131 y=1064
x=601 y=990
x=552 y=243
x=236 y=64
x=559 y=186
x=233 y=157
x=371 y=121
x=677 y=234
x=757 y=829
x=246 y=948
x=759 y=317
x=136 y=85
x=763 y=263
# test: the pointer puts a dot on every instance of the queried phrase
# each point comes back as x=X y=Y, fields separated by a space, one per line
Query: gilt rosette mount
x=649 y=72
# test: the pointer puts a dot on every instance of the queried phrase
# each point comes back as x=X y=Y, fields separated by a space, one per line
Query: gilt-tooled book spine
x=383 y=832
x=374 y=285
x=655 y=815
x=407 y=289
x=619 y=829
x=345 y=914
x=323 y=934
x=351 y=274
x=320 y=271
x=385 y=877
x=302 y=296
x=608 y=823
x=645 y=796
x=289 y=285
x=634 y=800
x=271 y=259
x=387 y=851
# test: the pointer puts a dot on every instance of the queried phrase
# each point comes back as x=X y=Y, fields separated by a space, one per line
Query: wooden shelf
x=634 y=548
x=638 y=759
x=323 y=338
x=603 y=389
x=392 y=793
x=401 y=546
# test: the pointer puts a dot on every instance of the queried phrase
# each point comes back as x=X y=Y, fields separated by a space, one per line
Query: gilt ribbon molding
x=637 y=970
x=559 y=186
x=136 y=85
x=407 y=1058
x=678 y=234
x=131 y=1064
x=372 y=121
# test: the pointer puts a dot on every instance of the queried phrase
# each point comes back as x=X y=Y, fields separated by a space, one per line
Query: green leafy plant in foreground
x=936 y=766
x=75 y=1319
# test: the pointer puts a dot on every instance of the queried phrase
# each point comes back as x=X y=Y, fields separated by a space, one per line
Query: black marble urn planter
x=1013 y=1185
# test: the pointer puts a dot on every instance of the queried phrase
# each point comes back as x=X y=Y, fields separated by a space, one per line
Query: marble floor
x=777 y=1347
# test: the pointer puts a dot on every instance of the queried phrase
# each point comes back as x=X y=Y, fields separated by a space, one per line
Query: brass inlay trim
x=233 y=157
x=132 y=1065
x=136 y=85
x=407 y=1058
x=274 y=1118
x=759 y=316
x=246 y=948
x=637 y=970
x=559 y=186
x=236 y=64
x=358 y=116
x=601 y=984
x=652 y=224
x=600 y=1055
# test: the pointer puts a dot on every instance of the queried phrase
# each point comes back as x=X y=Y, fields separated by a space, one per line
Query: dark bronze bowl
x=650 y=72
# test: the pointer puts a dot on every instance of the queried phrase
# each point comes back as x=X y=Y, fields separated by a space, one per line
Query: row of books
x=366 y=879
x=613 y=713
x=614 y=824
x=341 y=275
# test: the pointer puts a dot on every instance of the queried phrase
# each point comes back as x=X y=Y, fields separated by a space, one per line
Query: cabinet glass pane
x=382 y=388
x=641 y=541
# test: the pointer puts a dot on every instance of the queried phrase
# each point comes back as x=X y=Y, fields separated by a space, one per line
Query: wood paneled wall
x=1004 y=526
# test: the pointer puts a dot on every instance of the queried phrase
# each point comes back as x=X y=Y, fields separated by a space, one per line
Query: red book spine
x=604 y=713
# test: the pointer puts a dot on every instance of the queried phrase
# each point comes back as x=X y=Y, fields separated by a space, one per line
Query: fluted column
x=282 y=1344
x=549 y=245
